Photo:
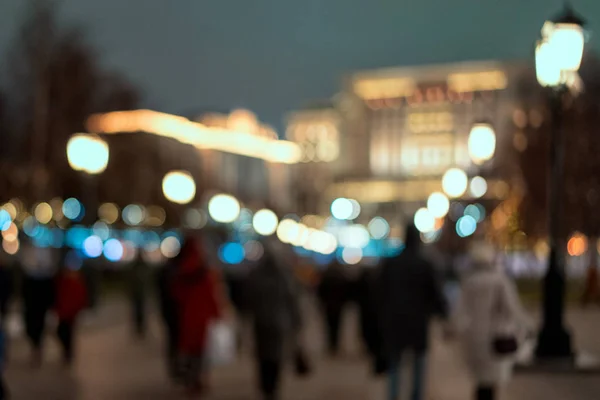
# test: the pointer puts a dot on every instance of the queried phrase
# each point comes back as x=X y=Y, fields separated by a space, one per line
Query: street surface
x=114 y=366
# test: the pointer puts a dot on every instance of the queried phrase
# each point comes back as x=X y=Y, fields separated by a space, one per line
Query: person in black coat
x=168 y=310
x=410 y=295
x=364 y=294
x=334 y=292
x=6 y=290
x=38 y=298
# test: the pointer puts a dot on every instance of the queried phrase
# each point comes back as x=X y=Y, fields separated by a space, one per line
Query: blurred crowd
x=205 y=311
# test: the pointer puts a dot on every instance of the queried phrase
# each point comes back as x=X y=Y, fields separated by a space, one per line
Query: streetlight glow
x=482 y=143
x=179 y=187
x=87 y=152
x=455 y=182
x=224 y=208
x=438 y=204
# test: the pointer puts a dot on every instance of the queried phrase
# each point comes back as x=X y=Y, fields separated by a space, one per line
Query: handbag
x=503 y=344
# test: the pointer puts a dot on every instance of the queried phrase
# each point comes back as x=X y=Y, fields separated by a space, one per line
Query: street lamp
x=482 y=142
x=88 y=153
x=558 y=57
x=179 y=187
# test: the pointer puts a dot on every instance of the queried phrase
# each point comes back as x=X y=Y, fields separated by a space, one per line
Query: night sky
x=273 y=56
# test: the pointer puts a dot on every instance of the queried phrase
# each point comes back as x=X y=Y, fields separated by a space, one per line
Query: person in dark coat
x=38 y=298
x=333 y=292
x=71 y=298
x=6 y=290
x=168 y=311
x=3 y=388
x=410 y=296
x=273 y=305
x=364 y=294
x=138 y=276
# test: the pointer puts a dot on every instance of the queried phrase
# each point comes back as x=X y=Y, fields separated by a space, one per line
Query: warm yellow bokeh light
x=265 y=222
x=11 y=234
x=88 y=153
x=438 y=204
x=11 y=247
x=455 y=182
x=224 y=208
x=43 y=213
x=577 y=245
x=482 y=143
x=179 y=187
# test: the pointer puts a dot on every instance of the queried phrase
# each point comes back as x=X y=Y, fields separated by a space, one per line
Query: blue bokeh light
x=5 y=220
x=76 y=236
x=92 y=247
x=113 y=250
x=73 y=209
x=466 y=226
x=30 y=226
x=232 y=253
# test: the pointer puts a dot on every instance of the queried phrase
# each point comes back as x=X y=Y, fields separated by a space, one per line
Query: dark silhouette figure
x=38 y=298
x=6 y=290
x=168 y=310
x=3 y=346
x=272 y=296
x=334 y=293
x=138 y=275
x=364 y=294
x=71 y=299
x=194 y=289
x=591 y=291
x=410 y=295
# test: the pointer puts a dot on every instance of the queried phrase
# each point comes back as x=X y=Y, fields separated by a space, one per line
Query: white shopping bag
x=221 y=349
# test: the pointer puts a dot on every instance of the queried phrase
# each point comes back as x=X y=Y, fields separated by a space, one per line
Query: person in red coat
x=194 y=289
x=71 y=299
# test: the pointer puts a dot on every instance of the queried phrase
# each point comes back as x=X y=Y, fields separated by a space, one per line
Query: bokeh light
x=87 y=152
x=73 y=209
x=113 y=250
x=577 y=245
x=150 y=240
x=482 y=143
x=455 y=182
x=352 y=256
x=379 y=228
x=478 y=187
x=224 y=208
x=5 y=220
x=438 y=204
x=155 y=216
x=302 y=235
x=92 y=246
x=101 y=229
x=109 y=213
x=253 y=250
x=170 y=247
x=11 y=247
x=466 y=226
x=11 y=209
x=57 y=212
x=424 y=221
x=194 y=219
x=342 y=208
x=11 y=233
x=134 y=214
x=265 y=222
x=287 y=230
x=232 y=253
x=30 y=226
x=43 y=213
x=179 y=187
x=355 y=236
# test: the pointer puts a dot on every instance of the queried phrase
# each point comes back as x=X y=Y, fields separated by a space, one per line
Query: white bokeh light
x=179 y=187
x=455 y=182
x=224 y=208
x=424 y=220
x=438 y=204
x=482 y=143
x=265 y=222
x=342 y=208
x=478 y=187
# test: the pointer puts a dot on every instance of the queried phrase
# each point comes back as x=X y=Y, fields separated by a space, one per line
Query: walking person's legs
x=419 y=374
x=333 y=331
x=485 y=392
x=394 y=379
x=269 y=372
x=65 y=336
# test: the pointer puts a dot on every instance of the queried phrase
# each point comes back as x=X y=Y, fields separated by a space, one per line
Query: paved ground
x=113 y=366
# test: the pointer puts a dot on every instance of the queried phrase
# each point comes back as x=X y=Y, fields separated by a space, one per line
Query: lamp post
x=558 y=57
x=88 y=153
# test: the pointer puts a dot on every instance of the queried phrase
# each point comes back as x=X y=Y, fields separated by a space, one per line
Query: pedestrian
x=168 y=310
x=6 y=289
x=138 y=280
x=38 y=298
x=194 y=289
x=3 y=346
x=273 y=304
x=71 y=298
x=334 y=292
x=490 y=321
x=410 y=295
x=364 y=294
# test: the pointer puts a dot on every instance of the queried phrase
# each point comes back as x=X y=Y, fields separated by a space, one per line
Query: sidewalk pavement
x=113 y=366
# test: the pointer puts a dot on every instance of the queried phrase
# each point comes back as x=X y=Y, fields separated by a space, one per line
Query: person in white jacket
x=488 y=308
